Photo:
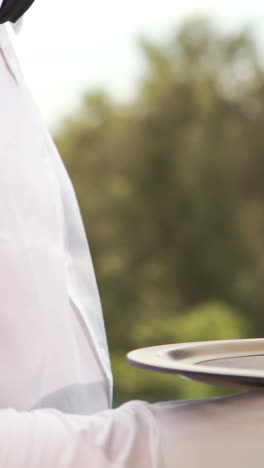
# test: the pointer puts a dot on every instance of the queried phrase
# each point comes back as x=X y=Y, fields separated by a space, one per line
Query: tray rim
x=154 y=358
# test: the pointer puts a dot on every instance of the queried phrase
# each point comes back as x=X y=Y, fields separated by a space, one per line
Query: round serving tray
x=232 y=363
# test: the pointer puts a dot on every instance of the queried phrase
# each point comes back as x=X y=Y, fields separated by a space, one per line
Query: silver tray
x=232 y=363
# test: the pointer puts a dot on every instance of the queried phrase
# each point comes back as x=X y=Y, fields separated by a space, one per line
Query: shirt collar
x=19 y=23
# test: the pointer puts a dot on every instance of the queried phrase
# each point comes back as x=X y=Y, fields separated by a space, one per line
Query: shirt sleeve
x=126 y=437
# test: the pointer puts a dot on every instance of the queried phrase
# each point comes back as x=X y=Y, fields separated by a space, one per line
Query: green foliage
x=210 y=320
x=171 y=191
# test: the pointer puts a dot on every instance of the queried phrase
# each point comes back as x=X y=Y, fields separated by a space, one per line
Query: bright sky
x=65 y=50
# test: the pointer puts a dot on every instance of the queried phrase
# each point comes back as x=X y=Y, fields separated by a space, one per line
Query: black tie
x=12 y=10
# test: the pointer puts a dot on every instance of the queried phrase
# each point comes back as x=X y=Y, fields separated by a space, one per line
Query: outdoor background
x=165 y=148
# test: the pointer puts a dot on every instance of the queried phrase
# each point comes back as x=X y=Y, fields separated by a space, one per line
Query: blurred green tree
x=171 y=191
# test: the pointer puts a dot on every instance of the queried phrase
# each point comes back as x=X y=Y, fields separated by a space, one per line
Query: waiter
x=54 y=357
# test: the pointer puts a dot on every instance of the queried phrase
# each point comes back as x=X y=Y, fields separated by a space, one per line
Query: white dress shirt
x=53 y=343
